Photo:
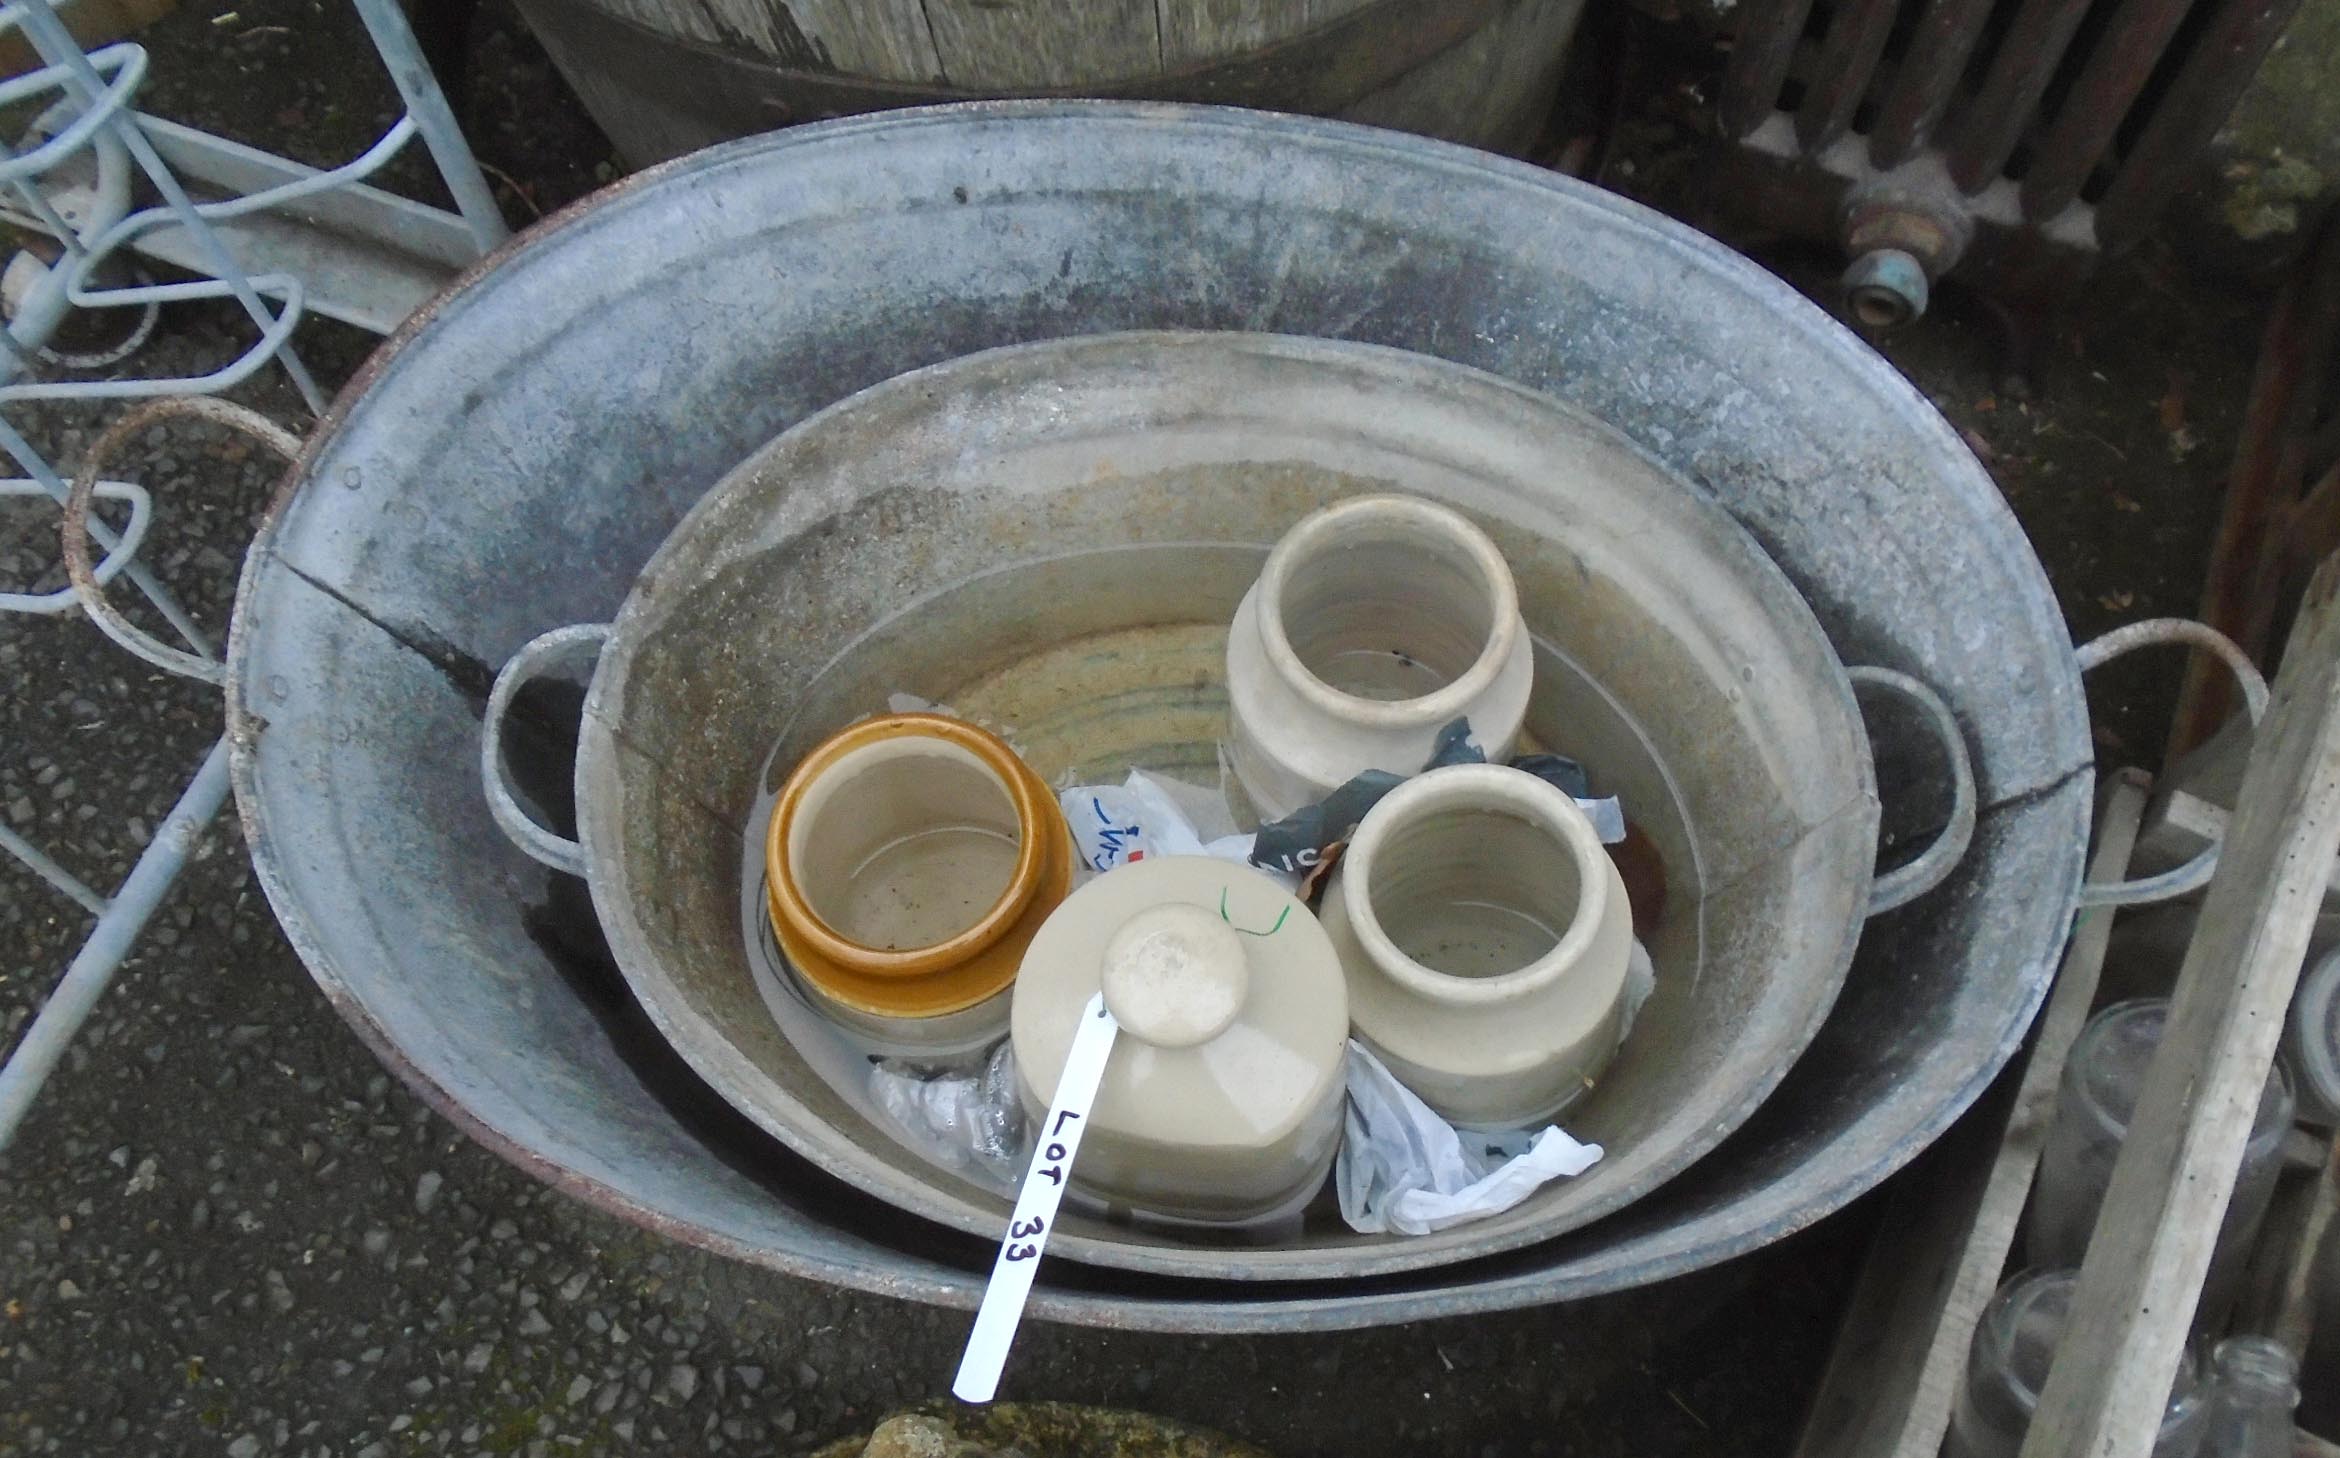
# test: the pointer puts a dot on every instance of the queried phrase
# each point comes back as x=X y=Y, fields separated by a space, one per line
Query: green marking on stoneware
x=1247 y=931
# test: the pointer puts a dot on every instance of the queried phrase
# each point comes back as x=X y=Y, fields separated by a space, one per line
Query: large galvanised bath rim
x=510 y=462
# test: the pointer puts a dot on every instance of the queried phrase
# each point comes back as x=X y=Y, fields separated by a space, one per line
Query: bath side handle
x=535 y=656
x=2152 y=632
x=1933 y=865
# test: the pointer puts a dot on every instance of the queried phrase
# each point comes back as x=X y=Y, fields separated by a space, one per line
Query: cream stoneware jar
x=1486 y=937
x=1222 y=1100
x=1375 y=622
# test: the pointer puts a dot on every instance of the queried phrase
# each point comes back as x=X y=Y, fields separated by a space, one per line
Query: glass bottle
x=2008 y=1364
x=2253 y=1388
x=2098 y=1096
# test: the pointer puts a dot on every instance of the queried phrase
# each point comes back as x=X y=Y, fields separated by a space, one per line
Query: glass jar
x=2102 y=1079
x=2008 y=1365
x=2311 y=1037
x=2254 y=1385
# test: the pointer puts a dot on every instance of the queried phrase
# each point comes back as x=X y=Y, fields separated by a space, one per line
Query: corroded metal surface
x=512 y=461
x=2281 y=514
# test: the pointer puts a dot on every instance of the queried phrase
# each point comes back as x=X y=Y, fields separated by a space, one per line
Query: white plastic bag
x=970 y=1120
x=1143 y=816
x=1640 y=982
x=1405 y=1170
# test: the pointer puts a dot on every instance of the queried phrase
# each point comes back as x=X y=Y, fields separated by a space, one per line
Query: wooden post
x=1901 y=1353
x=2294 y=1322
x=2243 y=585
x=2169 y=1190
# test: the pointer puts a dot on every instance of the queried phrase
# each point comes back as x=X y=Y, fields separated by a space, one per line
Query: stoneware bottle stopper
x=1222 y=1100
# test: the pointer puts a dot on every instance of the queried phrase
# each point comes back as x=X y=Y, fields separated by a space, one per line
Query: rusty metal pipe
x=1927 y=79
x=1886 y=288
x=2026 y=61
x=2293 y=370
x=1848 y=59
x=2091 y=113
x=1759 y=65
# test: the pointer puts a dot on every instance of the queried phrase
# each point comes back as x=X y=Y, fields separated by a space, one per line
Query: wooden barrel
x=664 y=77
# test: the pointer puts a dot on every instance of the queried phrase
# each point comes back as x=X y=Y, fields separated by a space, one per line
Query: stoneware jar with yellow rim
x=909 y=862
x=1221 y=1102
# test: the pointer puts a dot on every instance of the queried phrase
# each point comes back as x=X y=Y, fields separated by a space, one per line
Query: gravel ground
x=226 y=1230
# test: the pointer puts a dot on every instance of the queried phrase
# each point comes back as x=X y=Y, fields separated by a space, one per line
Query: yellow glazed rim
x=947 y=976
